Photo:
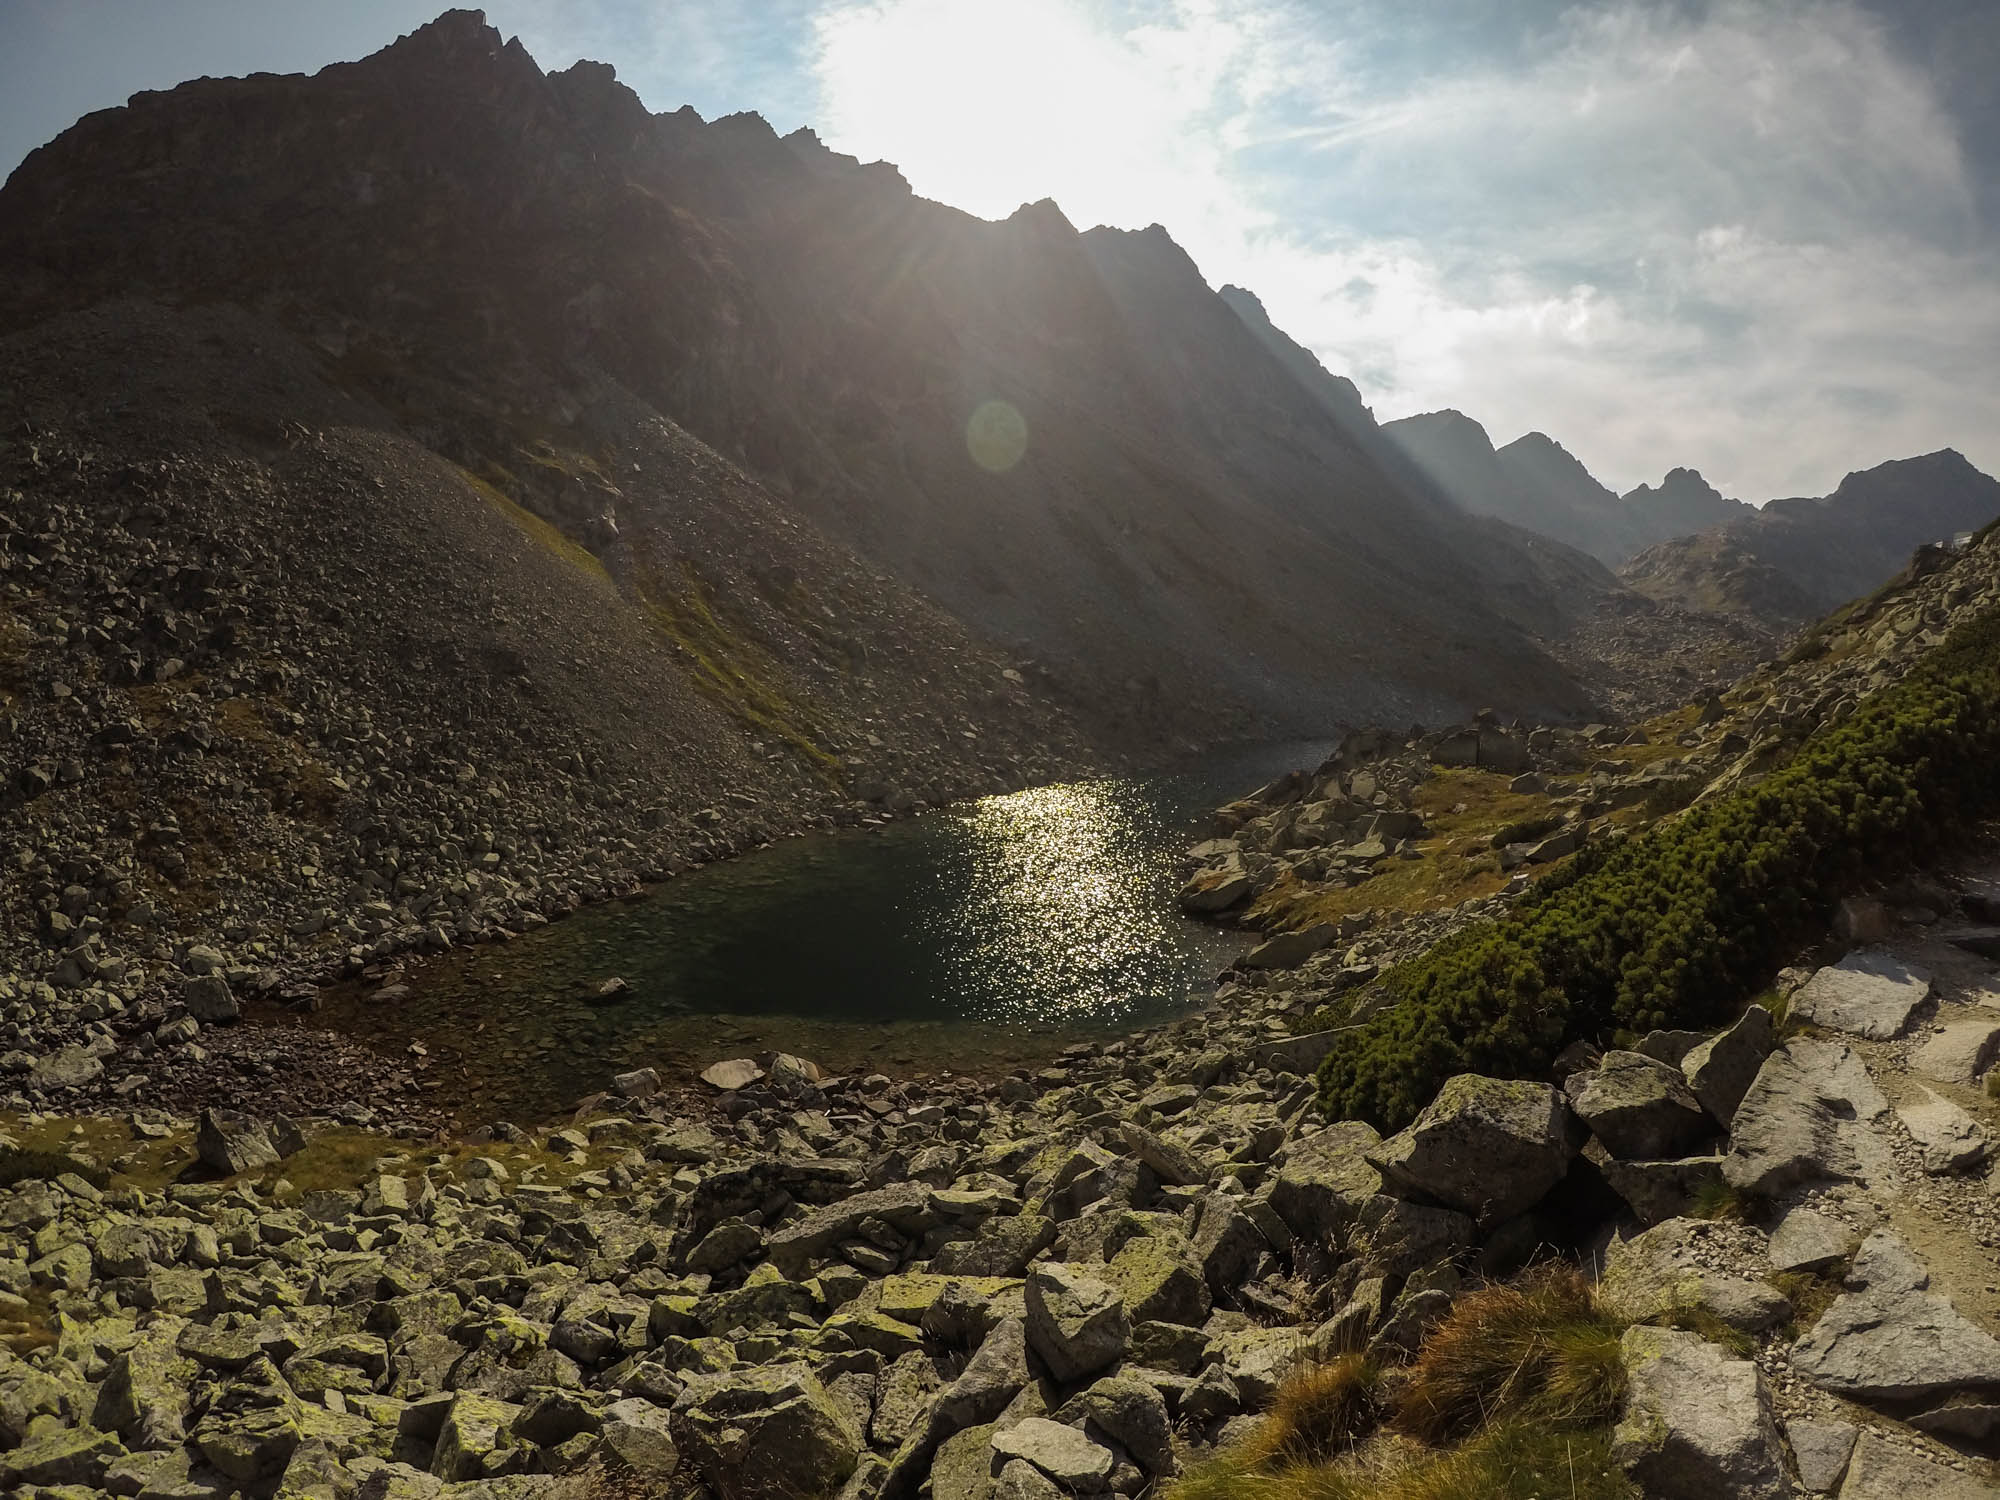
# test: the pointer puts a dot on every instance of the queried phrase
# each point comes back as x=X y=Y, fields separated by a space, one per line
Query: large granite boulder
x=765 y=1430
x=1324 y=1178
x=1869 y=993
x=1697 y=1422
x=1641 y=1108
x=1721 y=1069
x=1813 y=1114
x=1488 y=1147
x=1076 y=1323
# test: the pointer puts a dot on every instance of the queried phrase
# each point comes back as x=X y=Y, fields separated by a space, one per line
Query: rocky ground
x=1079 y=1281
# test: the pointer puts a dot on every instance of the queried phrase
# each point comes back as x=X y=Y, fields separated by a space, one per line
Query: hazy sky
x=1757 y=237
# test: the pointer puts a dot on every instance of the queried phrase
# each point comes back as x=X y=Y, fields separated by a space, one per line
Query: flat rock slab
x=1813 y=1114
x=1882 y=1470
x=1870 y=993
x=1062 y=1453
x=1822 y=1450
x=733 y=1073
x=1961 y=1052
x=1663 y=1271
x=1891 y=1339
x=1807 y=1240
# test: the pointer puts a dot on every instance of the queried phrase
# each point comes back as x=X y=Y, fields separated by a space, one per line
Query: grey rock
x=1721 y=1069
x=208 y=998
x=1807 y=1240
x=1287 y=950
x=1821 y=1450
x=1488 y=1147
x=474 y=1428
x=1640 y=1108
x=1134 y=1413
x=731 y=1074
x=963 y=1467
x=1893 y=1340
x=1813 y=1114
x=1657 y=1190
x=1174 y=1164
x=233 y=1143
x=1159 y=1277
x=1697 y=1423
x=1883 y=1470
x=764 y=1430
x=1062 y=1453
x=1395 y=1237
x=1021 y=1480
x=1076 y=1323
x=1324 y=1178
x=1949 y=1138
x=65 y=1068
x=728 y=1244
x=1004 y=1245
x=1869 y=993
x=1961 y=1052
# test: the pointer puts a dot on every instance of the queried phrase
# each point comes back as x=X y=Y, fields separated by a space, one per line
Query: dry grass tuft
x=1321 y=1409
x=1540 y=1348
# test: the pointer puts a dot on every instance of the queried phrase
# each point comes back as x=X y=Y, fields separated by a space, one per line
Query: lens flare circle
x=997 y=436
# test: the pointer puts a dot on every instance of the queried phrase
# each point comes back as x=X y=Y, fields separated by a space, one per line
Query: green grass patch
x=1677 y=924
x=18 y=1165
x=535 y=528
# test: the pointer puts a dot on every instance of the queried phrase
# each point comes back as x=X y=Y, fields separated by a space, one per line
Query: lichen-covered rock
x=1160 y=1279
x=765 y=1430
x=1076 y=1323
x=1663 y=1271
x=1889 y=1338
x=1697 y=1423
x=1721 y=1069
x=1870 y=993
x=1639 y=1107
x=1488 y=1147
x=233 y=1143
x=1324 y=1178
x=1813 y=1114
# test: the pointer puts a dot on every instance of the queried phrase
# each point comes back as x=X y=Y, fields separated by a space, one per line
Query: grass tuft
x=1541 y=1348
x=1810 y=1293
x=1718 y=1199
x=1321 y=1409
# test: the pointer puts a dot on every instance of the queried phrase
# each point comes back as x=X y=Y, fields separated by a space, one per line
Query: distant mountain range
x=1684 y=542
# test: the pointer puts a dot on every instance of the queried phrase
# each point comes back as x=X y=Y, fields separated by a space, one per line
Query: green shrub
x=1675 y=926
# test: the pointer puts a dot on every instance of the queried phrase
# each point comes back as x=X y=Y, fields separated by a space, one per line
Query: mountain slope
x=1188 y=538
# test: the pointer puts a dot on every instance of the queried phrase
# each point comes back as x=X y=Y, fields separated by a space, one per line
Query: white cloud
x=1744 y=241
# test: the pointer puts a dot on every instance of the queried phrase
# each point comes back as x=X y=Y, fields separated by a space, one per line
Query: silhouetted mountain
x=1184 y=531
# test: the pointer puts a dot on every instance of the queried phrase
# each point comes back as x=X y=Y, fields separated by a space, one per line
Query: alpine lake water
x=970 y=940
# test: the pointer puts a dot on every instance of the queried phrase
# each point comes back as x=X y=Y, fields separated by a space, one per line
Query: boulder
x=145 y=1393
x=1884 y=1470
x=1076 y=1323
x=1949 y=1138
x=208 y=998
x=1395 y=1237
x=1807 y=1240
x=1961 y=1052
x=1641 y=1108
x=764 y=1430
x=1287 y=950
x=232 y=1143
x=1663 y=1271
x=1821 y=1450
x=1159 y=1277
x=731 y=1074
x=65 y=1068
x=1721 y=1069
x=1062 y=1453
x=1813 y=1114
x=1174 y=1164
x=1134 y=1413
x=1657 y=1190
x=1869 y=993
x=1890 y=1339
x=476 y=1428
x=1324 y=1178
x=1697 y=1423
x=1488 y=1147
x=1004 y=1245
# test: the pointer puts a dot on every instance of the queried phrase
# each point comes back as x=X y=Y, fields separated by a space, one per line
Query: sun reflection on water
x=1062 y=916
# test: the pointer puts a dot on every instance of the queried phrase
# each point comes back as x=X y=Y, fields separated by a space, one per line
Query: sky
x=1760 y=238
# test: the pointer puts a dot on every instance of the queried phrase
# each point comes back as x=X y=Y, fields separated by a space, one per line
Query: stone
x=209 y=999
x=638 y=1434
x=992 y=1378
x=1821 y=1450
x=475 y=1428
x=1961 y=1052
x=1661 y=1271
x=1640 y=1108
x=144 y=1397
x=232 y=1143
x=65 y=1068
x=1657 y=1190
x=1134 y=1413
x=640 y=1083
x=1173 y=1163
x=1807 y=1240
x=1076 y=1323
x=1324 y=1178
x=1287 y=950
x=1884 y=1470
x=1021 y=1480
x=1062 y=1453
x=1488 y=1147
x=1004 y=1245
x=1159 y=1277
x=1395 y=1237
x=1697 y=1423
x=726 y=1245
x=1213 y=891
x=1721 y=1069
x=906 y=1207
x=1869 y=993
x=963 y=1468
x=1891 y=1339
x=1226 y=1242
x=1813 y=1114
x=1949 y=1138
x=732 y=1074
x=764 y=1430
x=1964 y=1417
